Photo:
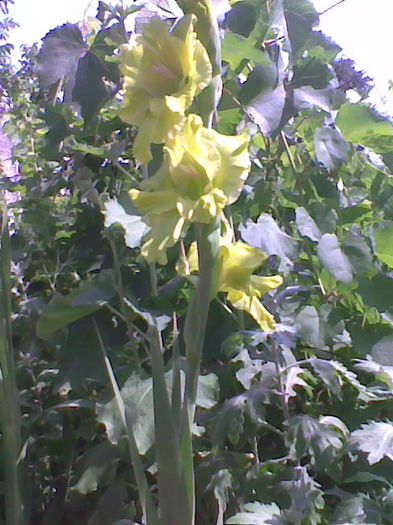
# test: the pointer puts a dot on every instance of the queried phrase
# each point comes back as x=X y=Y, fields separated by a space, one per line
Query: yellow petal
x=163 y=71
x=263 y=285
x=252 y=305
x=165 y=230
x=237 y=263
x=235 y=164
x=148 y=202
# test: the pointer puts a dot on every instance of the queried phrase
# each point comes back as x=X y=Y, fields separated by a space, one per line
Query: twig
x=331 y=7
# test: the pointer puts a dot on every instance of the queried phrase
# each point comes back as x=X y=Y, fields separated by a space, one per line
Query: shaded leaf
x=322 y=439
x=85 y=300
x=89 y=90
x=59 y=56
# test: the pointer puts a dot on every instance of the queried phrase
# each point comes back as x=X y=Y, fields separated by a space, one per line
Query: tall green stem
x=10 y=413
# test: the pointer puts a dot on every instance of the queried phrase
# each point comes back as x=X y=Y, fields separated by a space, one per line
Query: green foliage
x=291 y=427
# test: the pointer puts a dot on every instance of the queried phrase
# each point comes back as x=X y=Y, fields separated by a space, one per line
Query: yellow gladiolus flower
x=202 y=172
x=233 y=275
x=163 y=71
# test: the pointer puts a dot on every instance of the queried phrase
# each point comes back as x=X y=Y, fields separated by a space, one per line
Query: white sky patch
x=363 y=28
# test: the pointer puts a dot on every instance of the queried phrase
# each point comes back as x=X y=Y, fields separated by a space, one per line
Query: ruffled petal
x=235 y=164
x=165 y=230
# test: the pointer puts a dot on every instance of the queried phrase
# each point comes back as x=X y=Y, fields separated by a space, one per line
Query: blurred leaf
x=384 y=243
x=322 y=439
x=306 y=225
x=334 y=259
x=258 y=514
x=362 y=125
x=137 y=394
x=332 y=373
x=236 y=49
x=95 y=466
x=330 y=148
x=376 y=439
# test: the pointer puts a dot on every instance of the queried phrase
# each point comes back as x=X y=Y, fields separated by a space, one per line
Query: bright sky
x=363 y=28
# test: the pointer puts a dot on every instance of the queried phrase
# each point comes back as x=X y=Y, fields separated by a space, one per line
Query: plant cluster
x=196 y=324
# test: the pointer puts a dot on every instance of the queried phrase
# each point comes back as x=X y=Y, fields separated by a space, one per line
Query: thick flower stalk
x=202 y=172
x=233 y=275
x=163 y=71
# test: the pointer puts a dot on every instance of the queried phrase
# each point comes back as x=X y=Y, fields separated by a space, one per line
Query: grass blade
x=10 y=413
x=148 y=507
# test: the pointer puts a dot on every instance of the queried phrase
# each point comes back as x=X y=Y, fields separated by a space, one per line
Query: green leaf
x=133 y=225
x=81 y=302
x=301 y=16
x=322 y=439
x=382 y=352
x=96 y=464
x=306 y=225
x=90 y=91
x=306 y=498
x=311 y=72
x=237 y=49
x=258 y=514
x=334 y=259
x=330 y=148
x=137 y=395
x=267 y=235
x=321 y=329
x=358 y=252
x=375 y=439
x=59 y=56
x=383 y=237
x=333 y=373
x=360 y=124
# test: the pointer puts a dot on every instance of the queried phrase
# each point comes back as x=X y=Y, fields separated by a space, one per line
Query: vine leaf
x=90 y=90
x=59 y=56
x=301 y=16
x=375 y=439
